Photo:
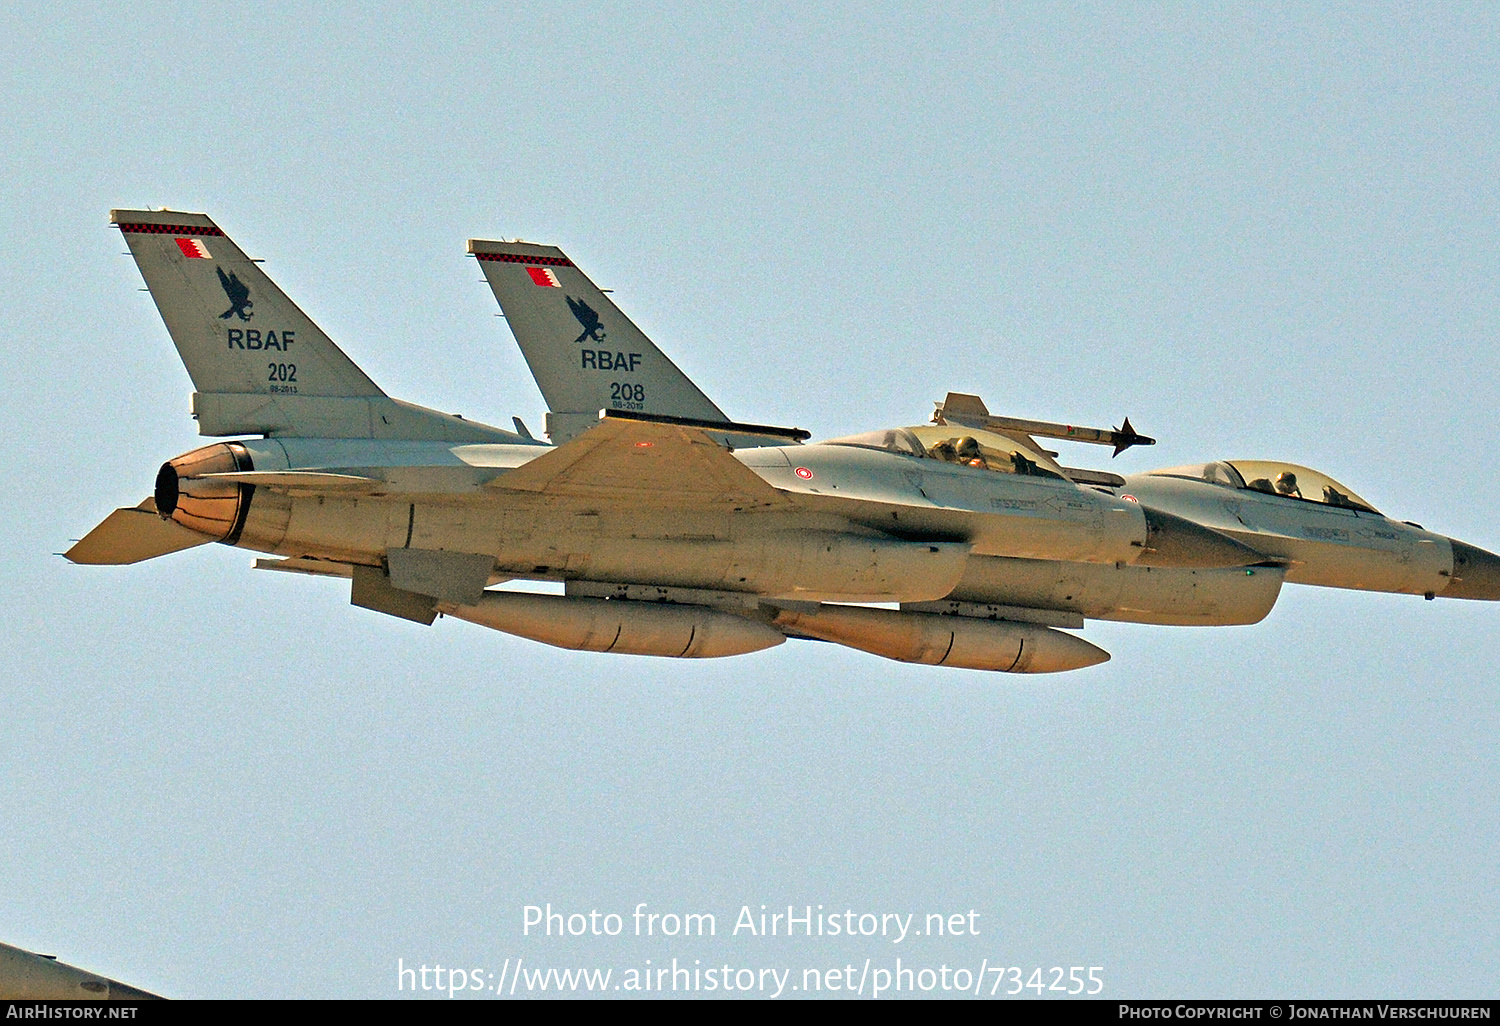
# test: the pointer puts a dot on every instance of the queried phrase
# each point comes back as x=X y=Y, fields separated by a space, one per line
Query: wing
x=641 y=464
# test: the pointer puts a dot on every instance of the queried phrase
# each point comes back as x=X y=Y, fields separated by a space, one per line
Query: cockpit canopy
x=1284 y=479
x=964 y=446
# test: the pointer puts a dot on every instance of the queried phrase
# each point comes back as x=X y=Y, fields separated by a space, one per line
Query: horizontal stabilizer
x=644 y=464
x=131 y=535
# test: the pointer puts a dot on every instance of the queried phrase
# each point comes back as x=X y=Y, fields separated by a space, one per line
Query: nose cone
x=1476 y=574
x=1176 y=541
x=1050 y=651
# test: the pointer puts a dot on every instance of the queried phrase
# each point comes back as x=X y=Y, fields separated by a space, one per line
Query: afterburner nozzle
x=1179 y=542
x=1476 y=574
x=210 y=507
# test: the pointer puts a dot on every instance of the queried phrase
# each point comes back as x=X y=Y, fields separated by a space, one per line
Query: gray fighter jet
x=1320 y=530
x=1317 y=530
x=25 y=976
x=676 y=533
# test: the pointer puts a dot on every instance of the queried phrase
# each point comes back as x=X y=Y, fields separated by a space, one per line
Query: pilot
x=968 y=452
x=1021 y=465
x=1334 y=497
x=943 y=451
x=1286 y=484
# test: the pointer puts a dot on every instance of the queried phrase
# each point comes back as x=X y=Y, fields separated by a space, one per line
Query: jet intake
x=614 y=625
x=936 y=640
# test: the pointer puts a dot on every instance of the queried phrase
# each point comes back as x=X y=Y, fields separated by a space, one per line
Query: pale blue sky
x=1265 y=232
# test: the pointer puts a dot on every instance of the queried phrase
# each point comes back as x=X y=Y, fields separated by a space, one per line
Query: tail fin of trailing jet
x=259 y=364
x=585 y=354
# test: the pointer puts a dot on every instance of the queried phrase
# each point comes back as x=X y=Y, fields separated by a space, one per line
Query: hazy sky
x=1263 y=232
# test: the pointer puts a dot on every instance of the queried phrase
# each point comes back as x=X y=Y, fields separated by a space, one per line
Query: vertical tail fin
x=259 y=364
x=585 y=354
x=234 y=329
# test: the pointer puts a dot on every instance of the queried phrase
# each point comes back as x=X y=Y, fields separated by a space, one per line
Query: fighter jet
x=673 y=532
x=25 y=976
x=1316 y=530
x=1320 y=530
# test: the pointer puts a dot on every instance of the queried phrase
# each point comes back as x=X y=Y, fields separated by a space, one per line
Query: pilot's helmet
x=968 y=448
x=1286 y=482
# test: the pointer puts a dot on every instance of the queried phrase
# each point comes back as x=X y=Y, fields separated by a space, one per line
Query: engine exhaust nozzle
x=187 y=495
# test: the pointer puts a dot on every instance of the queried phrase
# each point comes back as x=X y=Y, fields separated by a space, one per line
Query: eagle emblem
x=588 y=318
x=239 y=296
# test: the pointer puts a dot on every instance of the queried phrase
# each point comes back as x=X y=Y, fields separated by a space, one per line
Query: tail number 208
x=625 y=392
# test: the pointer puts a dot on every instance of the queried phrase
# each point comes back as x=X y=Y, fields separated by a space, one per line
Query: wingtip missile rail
x=970 y=411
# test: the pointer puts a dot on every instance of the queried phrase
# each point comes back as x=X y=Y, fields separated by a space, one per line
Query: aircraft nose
x=1476 y=574
x=1179 y=542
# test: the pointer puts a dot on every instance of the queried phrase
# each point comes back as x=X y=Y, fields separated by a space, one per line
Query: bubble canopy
x=963 y=446
x=1283 y=480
